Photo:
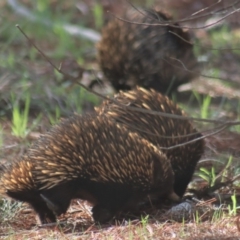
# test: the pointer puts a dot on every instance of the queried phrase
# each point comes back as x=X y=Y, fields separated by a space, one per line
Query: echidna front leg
x=111 y=198
x=45 y=215
x=125 y=201
x=33 y=198
x=59 y=197
x=101 y=214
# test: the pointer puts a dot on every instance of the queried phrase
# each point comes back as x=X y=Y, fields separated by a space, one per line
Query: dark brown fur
x=160 y=131
x=92 y=158
x=157 y=57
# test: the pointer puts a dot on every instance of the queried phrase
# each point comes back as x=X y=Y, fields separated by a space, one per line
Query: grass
x=1 y=137
x=233 y=209
x=20 y=118
x=209 y=176
x=221 y=39
x=204 y=105
x=98 y=15
x=53 y=118
x=8 y=209
x=33 y=96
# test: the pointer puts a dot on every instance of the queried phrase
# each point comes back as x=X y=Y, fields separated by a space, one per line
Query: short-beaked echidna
x=149 y=50
x=161 y=131
x=92 y=158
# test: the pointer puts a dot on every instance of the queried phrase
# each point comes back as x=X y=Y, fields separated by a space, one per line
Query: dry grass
x=77 y=224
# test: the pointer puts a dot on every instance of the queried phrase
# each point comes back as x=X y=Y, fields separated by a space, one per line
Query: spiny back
x=149 y=50
x=19 y=177
x=93 y=148
x=162 y=131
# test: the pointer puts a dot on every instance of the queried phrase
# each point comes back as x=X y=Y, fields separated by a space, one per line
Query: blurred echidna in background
x=164 y=132
x=149 y=50
x=92 y=158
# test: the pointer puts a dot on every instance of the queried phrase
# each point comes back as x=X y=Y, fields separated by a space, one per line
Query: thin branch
x=181 y=20
x=213 y=130
x=190 y=71
x=195 y=15
x=175 y=26
x=194 y=140
x=212 y=49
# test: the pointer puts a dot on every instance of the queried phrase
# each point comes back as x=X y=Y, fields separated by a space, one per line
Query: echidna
x=161 y=131
x=148 y=50
x=92 y=158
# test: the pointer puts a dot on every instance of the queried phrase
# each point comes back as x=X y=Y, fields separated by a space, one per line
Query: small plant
x=32 y=54
x=8 y=209
x=1 y=136
x=236 y=128
x=98 y=15
x=20 y=118
x=197 y=218
x=79 y=97
x=204 y=104
x=225 y=173
x=232 y=210
x=182 y=229
x=209 y=176
x=11 y=60
x=54 y=118
x=130 y=233
x=144 y=220
x=42 y=5
x=220 y=38
x=141 y=230
x=217 y=214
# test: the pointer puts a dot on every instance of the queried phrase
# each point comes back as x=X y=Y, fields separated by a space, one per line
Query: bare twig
x=175 y=26
x=190 y=71
x=195 y=15
x=208 y=48
x=196 y=139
